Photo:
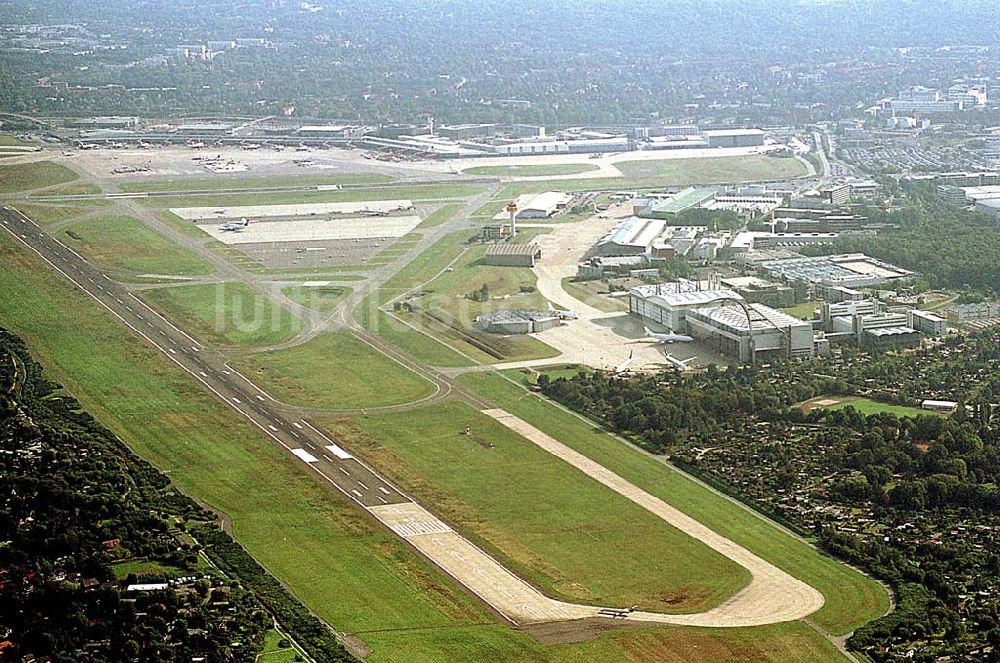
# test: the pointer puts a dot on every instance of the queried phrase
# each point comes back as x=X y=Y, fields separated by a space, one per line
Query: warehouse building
x=668 y=304
x=755 y=333
x=505 y=254
x=853 y=270
x=543 y=205
x=514 y=321
x=761 y=291
x=652 y=237
x=734 y=137
x=685 y=199
x=976 y=312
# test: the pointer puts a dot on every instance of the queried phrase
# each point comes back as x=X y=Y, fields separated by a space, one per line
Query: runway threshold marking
x=338 y=452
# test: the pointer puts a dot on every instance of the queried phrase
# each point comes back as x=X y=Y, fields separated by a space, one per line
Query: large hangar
x=669 y=303
x=728 y=330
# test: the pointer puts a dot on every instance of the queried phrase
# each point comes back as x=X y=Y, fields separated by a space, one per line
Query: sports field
x=851 y=598
x=535 y=170
x=334 y=371
x=714 y=170
x=34 y=175
x=122 y=243
x=537 y=510
x=224 y=314
x=865 y=406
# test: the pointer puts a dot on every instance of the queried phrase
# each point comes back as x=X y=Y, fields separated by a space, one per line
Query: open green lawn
x=865 y=406
x=6 y=140
x=336 y=371
x=226 y=314
x=289 y=520
x=141 y=567
x=320 y=298
x=440 y=215
x=71 y=190
x=851 y=598
x=411 y=192
x=45 y=214
x=601 y=303
x=714 y=170
x=234 y=183
x=295 y=525
x=274 y=652
x=533 y=170
x=124 y=243
x=792 y=642
x=560 y=528
x=803 y=311
x=34 y=175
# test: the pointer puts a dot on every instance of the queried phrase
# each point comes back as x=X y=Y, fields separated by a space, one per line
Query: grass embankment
x=533 y=170
x=559 y=528
x=35 y=175
x=122 y=243
x=852 y=599
x=236 y=183
x=319 y=298
x=714 y=170
x=371 y=583
x=865 y=406
x=225 y=314
x=335 y=371
x=413 y=192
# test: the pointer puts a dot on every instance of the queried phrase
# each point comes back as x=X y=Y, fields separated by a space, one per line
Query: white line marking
x=305 y=455
x=236 y=400
x=356 y=492
x=344 y=471
x=203 y=374
x=363 y=486
x=272 y=428
x=382 y=488
x=338 y=452
x=297 y=425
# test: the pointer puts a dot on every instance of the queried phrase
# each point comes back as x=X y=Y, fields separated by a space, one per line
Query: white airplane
x=667 y=338
x=235 y=226
x=680 y=364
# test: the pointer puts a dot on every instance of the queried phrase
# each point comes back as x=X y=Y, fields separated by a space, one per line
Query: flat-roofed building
x=734 y=137
x=927 y=322
x=668 y=304
x=751 y=334
x=507 y=254
x=543 y=205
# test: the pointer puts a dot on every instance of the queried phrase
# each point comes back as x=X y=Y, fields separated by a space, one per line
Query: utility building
x=505 y=254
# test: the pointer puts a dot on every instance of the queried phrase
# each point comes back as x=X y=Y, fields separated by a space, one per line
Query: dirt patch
x=356 y=646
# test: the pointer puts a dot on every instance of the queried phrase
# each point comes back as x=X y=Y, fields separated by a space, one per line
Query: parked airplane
x=667 y=338
x=680 y=364
x=374 y=212
x=235 y=226
x=196 y=144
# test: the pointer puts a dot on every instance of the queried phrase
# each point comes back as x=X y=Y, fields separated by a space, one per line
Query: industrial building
x=961 y=314
x=668 y=304
x=514 y=321
x=761 y=291
x=652 y=237
x=752 y=333
x=506 y=254
x=868 y=323
x=682 y=200
x=542 y=205
x=853 y=270
x=734 y=137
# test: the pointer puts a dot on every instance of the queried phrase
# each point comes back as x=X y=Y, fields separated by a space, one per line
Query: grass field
x=140 y=567
x=534 y=170
x=336 y=371
x=851 y=598
x=234 y=183
x=440 y=215
x=45 y=214
x=714 y=170
x=293 y=524
x=803 y=311
x=273 y=652
x=320 y=298
x=72 y=190
x=414 y=192
x=124 y=243
x=561 y=529
x=224 y=314
x=792 y=642
x=865 y=406
x=6 y=140
x=34 y=175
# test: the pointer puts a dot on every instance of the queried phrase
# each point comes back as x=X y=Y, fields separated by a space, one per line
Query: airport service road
x=772 y=596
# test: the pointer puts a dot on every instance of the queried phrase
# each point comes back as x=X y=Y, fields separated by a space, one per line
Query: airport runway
x=772 y=597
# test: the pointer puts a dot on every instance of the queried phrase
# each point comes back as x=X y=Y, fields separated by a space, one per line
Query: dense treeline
x=919 y=481
x=83 y=520
x=948 y=247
